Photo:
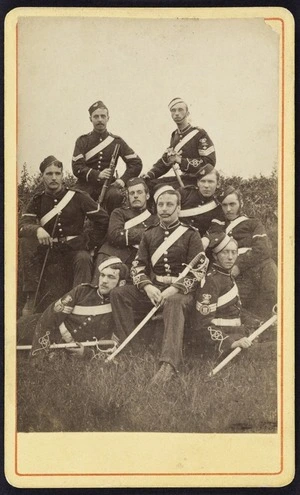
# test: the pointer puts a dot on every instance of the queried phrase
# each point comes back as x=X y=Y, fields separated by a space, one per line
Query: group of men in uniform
x=190 y=218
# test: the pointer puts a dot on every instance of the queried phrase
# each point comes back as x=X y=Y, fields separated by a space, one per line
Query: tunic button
x=55 y=201
x=60 y=230
x=167 y=232
x=59 y=224
x=100 y=140
x=165 y=259
x=79 y=328
x=75 y=331
x=166 y=265
x=84 y=323
x=166 y=253
x=89 y=318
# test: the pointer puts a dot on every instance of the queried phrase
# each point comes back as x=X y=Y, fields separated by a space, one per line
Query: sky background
x=226 y=70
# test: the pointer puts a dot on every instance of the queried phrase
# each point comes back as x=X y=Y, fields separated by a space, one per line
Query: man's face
x=108 y=280
x=137 y=196
x=231 y=207
x=52 y=178
x=179 y=113
x=227 y=257
x=99 y=119
x=167 y=208
x=207 y=185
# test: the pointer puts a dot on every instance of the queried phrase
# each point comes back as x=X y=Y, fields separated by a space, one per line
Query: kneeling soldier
x=218 y=304
x=164 y=250
x=83 y=314
x=55 y=219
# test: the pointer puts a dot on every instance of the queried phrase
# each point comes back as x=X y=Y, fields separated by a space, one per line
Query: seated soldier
x=255 y=271
x=218 y=304
x=127 y=224
x=54 y=218
x=198 y=203
x=165 y=249
x=83 y=314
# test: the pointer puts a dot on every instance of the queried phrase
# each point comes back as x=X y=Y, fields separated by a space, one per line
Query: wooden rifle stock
x=112 y=167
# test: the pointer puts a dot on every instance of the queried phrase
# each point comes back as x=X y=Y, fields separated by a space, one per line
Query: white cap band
x=108 y=262
x=175 y=101
x=222 y=244
x=161 y=190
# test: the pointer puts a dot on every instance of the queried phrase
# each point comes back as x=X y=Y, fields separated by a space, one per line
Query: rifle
x=112 y=167
x=199 y=257
x=72 y=345
x=251 y=337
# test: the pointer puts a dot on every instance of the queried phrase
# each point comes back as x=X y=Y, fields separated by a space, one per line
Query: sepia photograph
x=152 y=171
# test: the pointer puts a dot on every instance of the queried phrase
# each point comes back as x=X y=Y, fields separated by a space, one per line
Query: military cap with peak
x=47 y=162
x=95 y=106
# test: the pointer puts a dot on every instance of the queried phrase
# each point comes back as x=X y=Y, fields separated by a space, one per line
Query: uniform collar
x=60 y=194
x=102 y=135
x=221 y=269
x=171 y=226
x=204 y=198
x=185 y=130
x=102 y=298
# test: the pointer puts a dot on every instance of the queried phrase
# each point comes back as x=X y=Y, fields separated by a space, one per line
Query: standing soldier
x=165 y=249
x=83 y=314
x=255 y=271
x=190 y=148
x=198 y=203
x=53 y=221
x=92 y=156
x=127 y=224
x=218 y=306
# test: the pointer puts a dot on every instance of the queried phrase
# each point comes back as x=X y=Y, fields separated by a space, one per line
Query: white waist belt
x=227 y=322
x=67 y=238
x=165 y=279
x=244 y=250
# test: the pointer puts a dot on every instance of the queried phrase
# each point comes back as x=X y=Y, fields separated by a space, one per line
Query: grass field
x=71 y=395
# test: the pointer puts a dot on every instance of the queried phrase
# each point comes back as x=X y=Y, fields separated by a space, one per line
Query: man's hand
x=235 y=271
x=170 y=291
x=104 y=174
x=244 y=343
x=174 y=157
x=77 y=352
x=154 y=294
x=43 y=237
x=119 y=183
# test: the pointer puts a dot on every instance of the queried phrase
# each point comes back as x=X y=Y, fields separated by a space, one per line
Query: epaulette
x=152 y=226
x=190 y=226
x=38 y=194
x=114 y=135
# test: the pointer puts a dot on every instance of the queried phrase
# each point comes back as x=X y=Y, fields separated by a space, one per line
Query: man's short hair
x=47 y=162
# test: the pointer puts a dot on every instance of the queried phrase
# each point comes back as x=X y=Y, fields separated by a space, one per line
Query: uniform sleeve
x=206 y=152
x=206 y=307
x=29 y=222
x=52 y=317
x=79 y=166
x=98 y=217
x=132 y=161
x=120 y=237
x=160 y=168
x=260 y=249
x=189 y=282
x=140 y=270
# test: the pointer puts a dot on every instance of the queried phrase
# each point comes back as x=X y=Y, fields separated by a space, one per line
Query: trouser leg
x=31 y=263
x=82 y=267
x=174 y=314
x=123 y=301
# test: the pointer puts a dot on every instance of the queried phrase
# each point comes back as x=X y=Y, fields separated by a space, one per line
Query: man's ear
x=147 y=196
x=90 y=119
x=215 y=256
x=122 y=283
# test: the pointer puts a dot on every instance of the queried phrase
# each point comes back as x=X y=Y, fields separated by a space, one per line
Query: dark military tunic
x=257 y=281
x=161 y=269
x=125 y=230
x=218 y=308
x=198 y=210
x=81 y=315
x=92 y=154
x=196 y=152
x=69 y=238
